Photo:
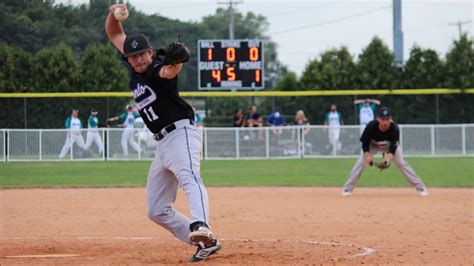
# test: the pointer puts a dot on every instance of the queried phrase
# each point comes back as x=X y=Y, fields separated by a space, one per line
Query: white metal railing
x=229 y=143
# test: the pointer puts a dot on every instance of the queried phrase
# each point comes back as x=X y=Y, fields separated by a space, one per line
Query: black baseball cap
x=384 y=112
x=94 y=111
x=135 y=44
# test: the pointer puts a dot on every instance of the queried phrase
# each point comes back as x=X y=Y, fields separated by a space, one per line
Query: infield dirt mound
x=267 y=225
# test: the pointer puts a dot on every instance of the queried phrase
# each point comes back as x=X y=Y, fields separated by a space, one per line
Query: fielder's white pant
x=402 y=165
x=127 y=137
x=177 y=162
x=70 y=140
x=94 y=136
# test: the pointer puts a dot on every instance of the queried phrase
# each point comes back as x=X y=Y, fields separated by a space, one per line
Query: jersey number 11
x=150 y=114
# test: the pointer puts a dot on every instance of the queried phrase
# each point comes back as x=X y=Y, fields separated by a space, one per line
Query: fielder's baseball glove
x=382 y=165
x=174 y=53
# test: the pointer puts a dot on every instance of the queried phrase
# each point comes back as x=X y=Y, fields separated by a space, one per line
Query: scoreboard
x=230 y=65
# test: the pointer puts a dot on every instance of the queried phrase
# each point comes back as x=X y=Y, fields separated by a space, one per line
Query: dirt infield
x=256 y=225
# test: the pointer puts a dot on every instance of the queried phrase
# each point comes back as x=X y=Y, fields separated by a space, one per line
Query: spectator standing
x=301 y=120
x=303 y=128
x=333 y=119
x=366 y=109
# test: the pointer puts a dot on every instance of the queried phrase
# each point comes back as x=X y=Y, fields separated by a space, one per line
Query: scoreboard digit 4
x=230 y=65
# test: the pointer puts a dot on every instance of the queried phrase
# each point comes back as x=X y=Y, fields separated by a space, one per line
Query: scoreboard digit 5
x=230 y=65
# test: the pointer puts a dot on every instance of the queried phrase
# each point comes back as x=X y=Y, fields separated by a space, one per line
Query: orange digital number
x=230 y=54
x=257 y=75
x=230 y=73
x=209 y=54
x=253 y=53
x=216 y=74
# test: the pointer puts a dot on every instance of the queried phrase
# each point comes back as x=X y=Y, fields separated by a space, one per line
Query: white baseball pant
x=70 y=140
x=177 y=162
x=94 y=136
x=127 y=137
x=402 y=165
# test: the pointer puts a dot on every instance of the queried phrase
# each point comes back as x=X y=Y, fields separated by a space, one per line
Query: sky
x=303 y=30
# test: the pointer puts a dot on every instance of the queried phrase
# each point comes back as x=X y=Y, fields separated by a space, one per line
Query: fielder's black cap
x=384 y=112
x=94 y=111
x=135 y=44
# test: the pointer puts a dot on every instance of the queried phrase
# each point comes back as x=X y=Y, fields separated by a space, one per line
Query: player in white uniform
x=334 y=120
x=93 y=133
x=74 y=133
x=154 y=85
x=128 y=120
x=366 y=108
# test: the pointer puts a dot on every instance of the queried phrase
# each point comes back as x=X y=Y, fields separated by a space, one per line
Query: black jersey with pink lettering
x=158 y=99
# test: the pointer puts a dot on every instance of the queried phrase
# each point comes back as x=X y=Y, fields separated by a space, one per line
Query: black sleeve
x=394 y=138
x=153 y=71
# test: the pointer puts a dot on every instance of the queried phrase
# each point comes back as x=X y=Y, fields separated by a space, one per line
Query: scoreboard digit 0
x=230 y=65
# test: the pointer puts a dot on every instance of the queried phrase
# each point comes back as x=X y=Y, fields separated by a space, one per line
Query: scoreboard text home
x=230 y=64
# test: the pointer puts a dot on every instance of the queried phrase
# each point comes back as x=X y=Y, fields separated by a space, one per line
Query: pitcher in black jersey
x=179 y=144
x=382 y=135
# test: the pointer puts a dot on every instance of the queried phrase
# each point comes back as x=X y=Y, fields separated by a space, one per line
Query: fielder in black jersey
x=177 y=159
x=382 y=135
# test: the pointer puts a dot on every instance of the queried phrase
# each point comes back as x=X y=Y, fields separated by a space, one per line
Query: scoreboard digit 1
x=230 y=65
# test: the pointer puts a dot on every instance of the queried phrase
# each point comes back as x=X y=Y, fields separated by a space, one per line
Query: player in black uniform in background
x=382 y=135
x=170 y=119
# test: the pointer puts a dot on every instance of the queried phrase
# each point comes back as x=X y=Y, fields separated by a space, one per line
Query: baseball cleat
x=422 y=191
x=346 y=193
x=203 y=252
x=202 y=235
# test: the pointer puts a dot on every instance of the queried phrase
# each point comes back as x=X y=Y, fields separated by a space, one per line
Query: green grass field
x=435 y=172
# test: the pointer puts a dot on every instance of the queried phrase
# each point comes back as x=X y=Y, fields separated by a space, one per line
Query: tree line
x=65 y=48
x=337 y=69
x=46 y=47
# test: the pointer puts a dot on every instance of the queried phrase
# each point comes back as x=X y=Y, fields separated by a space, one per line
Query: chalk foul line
x=366 y=250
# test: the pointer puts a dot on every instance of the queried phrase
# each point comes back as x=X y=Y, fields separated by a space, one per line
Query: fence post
x=301 y=141
x=432 y=140
x=267 y=143
x=237 y=143
x=463 y=128
x=8 y=145
x=40 y=145
x=103 y=144
x=108 y=144
x=4 y=133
